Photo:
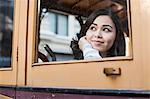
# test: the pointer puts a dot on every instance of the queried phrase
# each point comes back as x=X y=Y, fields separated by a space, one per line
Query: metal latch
x=112 y=71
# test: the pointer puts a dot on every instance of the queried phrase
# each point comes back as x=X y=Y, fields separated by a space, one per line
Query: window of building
x=55 y=23
x=62 y=25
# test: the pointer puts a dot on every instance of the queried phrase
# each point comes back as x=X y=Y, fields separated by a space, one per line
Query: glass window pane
x=6 y=28
x=48 y=23
x=62 y=25
x=52 y=22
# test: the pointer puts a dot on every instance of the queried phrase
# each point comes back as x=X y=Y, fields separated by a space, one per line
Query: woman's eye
x=93 y=28
x=106 y=30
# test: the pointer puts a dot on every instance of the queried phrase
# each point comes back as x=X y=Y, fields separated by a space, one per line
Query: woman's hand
x=82 y=42
x=88 y=51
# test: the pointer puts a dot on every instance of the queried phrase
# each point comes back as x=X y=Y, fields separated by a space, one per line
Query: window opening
x=63 y=21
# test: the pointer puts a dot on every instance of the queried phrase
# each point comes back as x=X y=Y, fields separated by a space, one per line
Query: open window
x=60 y=21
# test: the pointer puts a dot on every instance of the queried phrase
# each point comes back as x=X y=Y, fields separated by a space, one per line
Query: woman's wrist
x=89 y=52
x=87 y=46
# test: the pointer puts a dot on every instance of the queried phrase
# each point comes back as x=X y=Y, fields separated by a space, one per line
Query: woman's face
x=102 y=33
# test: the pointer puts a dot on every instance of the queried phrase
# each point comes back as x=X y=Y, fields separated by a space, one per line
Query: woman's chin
x=99 y=48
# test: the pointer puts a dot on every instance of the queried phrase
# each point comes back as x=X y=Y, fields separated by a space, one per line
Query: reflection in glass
x=6 y=29
x=60 y=21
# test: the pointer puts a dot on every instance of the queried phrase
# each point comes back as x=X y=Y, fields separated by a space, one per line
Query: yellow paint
x=83 y=74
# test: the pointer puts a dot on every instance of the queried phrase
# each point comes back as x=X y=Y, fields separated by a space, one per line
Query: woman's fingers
x=82 y=42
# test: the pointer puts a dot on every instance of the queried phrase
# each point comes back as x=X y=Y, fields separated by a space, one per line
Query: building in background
x=57 y=30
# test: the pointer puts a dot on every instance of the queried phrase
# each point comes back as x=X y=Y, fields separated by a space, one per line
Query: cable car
x=36 y=60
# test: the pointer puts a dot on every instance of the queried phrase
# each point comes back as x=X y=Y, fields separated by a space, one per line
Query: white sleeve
x=90 y=53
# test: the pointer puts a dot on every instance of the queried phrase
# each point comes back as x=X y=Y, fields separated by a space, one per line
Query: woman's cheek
x=88 y=37
x=110 y=41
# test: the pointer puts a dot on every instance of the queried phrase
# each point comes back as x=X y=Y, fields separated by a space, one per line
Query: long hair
x=118 y=47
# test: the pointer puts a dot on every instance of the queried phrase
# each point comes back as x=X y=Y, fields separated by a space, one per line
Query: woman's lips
x=98 y=41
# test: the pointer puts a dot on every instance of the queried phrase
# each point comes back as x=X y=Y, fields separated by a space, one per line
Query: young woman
x=100 y=36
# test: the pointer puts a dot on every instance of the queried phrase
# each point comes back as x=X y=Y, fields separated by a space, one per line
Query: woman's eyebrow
x=107 y=26
x=94 y=24
x=103 y=25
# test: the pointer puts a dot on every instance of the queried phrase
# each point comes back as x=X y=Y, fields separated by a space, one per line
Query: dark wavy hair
x=118 y=47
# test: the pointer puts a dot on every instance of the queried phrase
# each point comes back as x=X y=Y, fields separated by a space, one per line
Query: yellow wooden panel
x=23 y=19
x=145 y=39
x=84 y=74
x=8 y=76
x=16 y=74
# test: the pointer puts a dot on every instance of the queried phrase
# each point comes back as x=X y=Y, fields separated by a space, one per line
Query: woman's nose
x=98 y=34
